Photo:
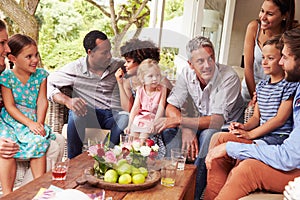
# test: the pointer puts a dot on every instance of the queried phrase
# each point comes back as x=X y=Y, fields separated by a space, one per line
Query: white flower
x=145 y=151
x=136 y=145
x=117 y=150
x=155 y=147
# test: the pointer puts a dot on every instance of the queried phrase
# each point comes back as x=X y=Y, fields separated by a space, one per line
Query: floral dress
x=25 y=97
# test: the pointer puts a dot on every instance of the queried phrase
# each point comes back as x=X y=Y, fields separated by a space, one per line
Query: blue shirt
x=269 y=98
x=284 y=157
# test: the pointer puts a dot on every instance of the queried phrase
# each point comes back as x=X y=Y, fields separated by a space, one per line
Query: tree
x=134 y=12
x=21 y=16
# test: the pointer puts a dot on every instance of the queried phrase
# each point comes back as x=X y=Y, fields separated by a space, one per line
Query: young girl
x=22 y=118
x=272 y=120
x=149 y=103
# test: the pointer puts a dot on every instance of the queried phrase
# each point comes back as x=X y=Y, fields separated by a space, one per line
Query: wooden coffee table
x=183 y=189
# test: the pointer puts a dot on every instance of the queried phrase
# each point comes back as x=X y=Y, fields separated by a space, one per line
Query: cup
x=180 y=156
x=125 y=140
x=168 y=172
x=60 y=169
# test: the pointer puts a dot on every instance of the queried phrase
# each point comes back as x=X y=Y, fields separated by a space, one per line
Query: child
x=272 y=121
x=22 y=118
x=149 y=103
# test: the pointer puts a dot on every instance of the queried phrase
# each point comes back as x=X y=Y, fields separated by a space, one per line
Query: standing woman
x=275 y=17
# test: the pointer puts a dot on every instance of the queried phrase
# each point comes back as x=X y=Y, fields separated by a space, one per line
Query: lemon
x=111 y=176
x=144 y=171
x=125 y=168
x=124 y=179
x=138 y=179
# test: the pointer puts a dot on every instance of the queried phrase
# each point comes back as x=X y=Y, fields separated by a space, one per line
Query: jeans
x=98 y=118
x=172 y=139
x=204 y=137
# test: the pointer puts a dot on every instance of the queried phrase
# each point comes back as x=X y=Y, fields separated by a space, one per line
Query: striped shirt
x=269 y=98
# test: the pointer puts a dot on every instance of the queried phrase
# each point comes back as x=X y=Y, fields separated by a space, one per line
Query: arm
x=284 y=112
x=249 y=44
x=134 y=111
x=11 y=108
x=126 y=97
x=162 y=103
x=42 y=103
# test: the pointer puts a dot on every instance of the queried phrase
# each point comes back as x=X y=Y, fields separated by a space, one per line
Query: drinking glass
x=60 y=169
x=168 y=172
x=180 y=156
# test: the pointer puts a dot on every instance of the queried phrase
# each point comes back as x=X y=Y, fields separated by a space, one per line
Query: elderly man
x=94 y=85
x=267 y=167
x=215 y=91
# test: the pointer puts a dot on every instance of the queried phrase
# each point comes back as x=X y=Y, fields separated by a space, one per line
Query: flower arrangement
x=134 y=153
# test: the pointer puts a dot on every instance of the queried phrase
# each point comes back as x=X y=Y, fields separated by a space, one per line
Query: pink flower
x=93 y=151
x=110 y=157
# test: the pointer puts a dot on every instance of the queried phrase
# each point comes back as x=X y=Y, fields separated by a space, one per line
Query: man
x=264 y=167
x=215 y=91
x=93 y=82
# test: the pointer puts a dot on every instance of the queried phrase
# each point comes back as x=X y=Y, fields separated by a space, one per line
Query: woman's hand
x=119 y=75
x=242 y=134
x=37 y=128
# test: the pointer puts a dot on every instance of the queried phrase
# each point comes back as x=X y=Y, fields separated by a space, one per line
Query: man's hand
x=8 y=148
x=164 y=123
x=190 y=142
x=77 y=105
x=217 y=152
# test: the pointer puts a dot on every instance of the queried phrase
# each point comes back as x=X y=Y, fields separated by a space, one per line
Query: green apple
x=111 y=176
x=125 y=168
x=144 y=171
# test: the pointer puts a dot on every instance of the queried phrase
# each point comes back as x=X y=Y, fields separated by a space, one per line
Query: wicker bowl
x=152 y=179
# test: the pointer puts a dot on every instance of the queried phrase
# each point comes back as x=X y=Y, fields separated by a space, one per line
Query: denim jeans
x=115 y=121
x=204 y=137
x=172 y=139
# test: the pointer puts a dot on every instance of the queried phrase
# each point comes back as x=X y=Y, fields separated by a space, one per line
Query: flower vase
x=100 y=169
x=137 y=160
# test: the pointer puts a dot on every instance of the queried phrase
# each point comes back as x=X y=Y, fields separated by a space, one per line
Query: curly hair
x=140 y=50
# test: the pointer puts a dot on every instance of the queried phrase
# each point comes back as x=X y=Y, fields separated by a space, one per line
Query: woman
x=275 y=17
x=135 y=51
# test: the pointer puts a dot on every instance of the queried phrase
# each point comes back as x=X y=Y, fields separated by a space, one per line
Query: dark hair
x=18 y=41
x=2 y=25
x=140 y=50
x=286 y=7
x=89 y=41
x=275 y=40
x=292 y=39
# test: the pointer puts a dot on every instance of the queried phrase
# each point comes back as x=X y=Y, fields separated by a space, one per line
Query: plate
x=152 y=179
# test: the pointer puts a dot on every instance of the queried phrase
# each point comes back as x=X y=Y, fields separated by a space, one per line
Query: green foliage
x=173 y=8
x=167 y=61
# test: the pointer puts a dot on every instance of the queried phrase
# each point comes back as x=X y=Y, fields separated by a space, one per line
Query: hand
x=127 y=130
x=77 y=105
x=163 y=123
x=37 y=128
x=8 y=148
x=119 y=75
x=235 y=125
x=217 y=152
x=190 y=142
x=242 y=134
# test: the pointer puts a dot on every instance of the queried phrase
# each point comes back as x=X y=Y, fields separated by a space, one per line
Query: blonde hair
x=146 y=66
